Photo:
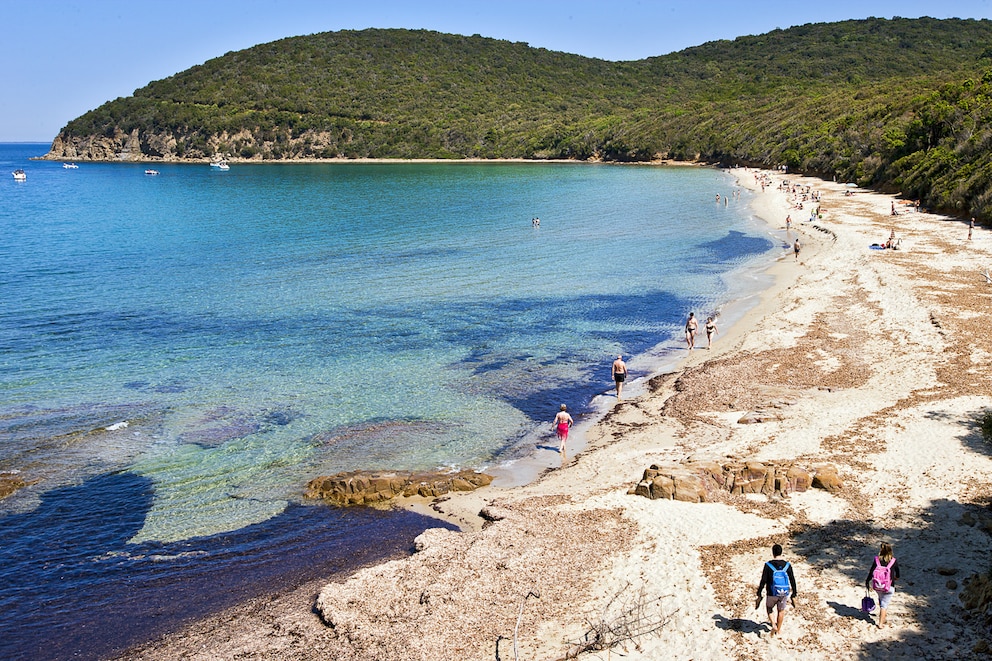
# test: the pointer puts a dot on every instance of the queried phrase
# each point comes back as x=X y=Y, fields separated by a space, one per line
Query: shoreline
x=879 y=362
x=531 y=468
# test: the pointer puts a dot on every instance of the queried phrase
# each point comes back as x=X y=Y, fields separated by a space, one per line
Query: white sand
x=879 y=362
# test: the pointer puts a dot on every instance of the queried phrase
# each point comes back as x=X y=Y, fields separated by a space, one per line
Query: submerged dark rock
x=11 y=482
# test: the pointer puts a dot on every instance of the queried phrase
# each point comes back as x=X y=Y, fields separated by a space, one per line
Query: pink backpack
x=881 y=578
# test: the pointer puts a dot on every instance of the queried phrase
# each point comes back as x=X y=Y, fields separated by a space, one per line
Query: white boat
x=70 y=166
x=151 y=171
x=19 y=175
x=220 y=165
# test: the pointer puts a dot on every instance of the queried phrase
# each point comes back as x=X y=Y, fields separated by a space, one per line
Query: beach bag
x=881 y=578
x=780 y=580
x=867 y=604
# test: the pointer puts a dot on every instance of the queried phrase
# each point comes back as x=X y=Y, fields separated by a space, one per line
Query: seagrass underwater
x=184 y=352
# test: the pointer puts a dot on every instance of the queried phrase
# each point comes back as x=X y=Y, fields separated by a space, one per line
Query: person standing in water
x=619 y=375
x=690 y=330
x=562 y=423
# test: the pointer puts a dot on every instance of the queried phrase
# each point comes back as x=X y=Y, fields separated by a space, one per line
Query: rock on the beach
x=825 y=477
x=361 y=488
x=977 y=593
x=757 y=417
x=699 y=481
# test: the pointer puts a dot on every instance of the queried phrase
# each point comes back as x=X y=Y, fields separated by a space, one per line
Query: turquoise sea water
x=258 y=327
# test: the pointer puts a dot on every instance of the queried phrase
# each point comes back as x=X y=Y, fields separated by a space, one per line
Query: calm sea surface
x=258 y=327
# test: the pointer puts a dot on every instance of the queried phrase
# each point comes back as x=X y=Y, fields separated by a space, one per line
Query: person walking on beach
x=711 y=330
x=562 y=423
x=882 y=579
x=690 y=330
x=779 y=584
x=971 y=227
x=619 y=375
x=796 y=248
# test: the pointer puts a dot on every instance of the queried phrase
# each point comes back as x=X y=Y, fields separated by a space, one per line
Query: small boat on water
x=19 y=175
x=70 y=166
x=220 y=165
x=151 y=171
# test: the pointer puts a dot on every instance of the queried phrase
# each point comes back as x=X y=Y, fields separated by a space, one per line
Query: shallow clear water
x=261 y=326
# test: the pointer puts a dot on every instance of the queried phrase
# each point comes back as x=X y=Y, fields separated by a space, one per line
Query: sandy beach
x=876 y=362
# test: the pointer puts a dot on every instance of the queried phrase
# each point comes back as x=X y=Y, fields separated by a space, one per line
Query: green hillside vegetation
x=901 y=104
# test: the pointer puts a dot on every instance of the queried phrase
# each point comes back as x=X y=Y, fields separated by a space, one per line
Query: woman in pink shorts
x=562 y=423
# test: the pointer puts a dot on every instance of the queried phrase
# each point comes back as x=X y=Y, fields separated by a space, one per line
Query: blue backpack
x=780 y=580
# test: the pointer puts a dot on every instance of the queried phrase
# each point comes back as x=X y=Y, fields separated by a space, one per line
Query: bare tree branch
x=625 y=618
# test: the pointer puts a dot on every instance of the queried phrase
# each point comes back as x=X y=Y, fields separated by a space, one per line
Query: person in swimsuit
x=796 y=248
x=562 y=423
x=690 y=330
x=710 y=332
x=619 y=374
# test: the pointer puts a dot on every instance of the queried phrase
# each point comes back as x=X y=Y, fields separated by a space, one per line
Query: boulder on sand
x=364 y=488
x=699 y=480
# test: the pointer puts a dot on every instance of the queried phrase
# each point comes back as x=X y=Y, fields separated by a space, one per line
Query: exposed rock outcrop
x=165 y=145
x=977 y=594
x=702 y=481
x=363 y=488
x=826 y=478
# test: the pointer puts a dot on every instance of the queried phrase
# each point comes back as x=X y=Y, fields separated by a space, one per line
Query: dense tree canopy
x=900 y=104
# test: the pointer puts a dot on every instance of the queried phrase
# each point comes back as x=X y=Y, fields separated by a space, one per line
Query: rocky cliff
x=140 y=145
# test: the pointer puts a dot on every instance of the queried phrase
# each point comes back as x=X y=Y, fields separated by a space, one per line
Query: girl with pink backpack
x=881 y=578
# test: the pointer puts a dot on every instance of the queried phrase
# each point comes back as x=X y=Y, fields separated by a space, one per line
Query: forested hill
x=900 y=104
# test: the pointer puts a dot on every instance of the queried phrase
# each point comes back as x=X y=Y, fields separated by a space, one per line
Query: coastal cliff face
x=118 y=146
x=244 y=145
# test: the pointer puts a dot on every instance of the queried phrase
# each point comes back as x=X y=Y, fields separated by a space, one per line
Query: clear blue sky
x=64 y=57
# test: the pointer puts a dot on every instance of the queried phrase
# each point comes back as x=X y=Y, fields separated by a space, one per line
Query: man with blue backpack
x=779 y=583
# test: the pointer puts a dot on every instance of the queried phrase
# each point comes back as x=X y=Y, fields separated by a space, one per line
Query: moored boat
x=70 y=166
x=19 y=175
x=151 y=171
x=220 y=165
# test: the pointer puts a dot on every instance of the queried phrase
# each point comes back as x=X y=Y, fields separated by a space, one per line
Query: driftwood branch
x=520 y=615
x=516 y=627
x=625 y=618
